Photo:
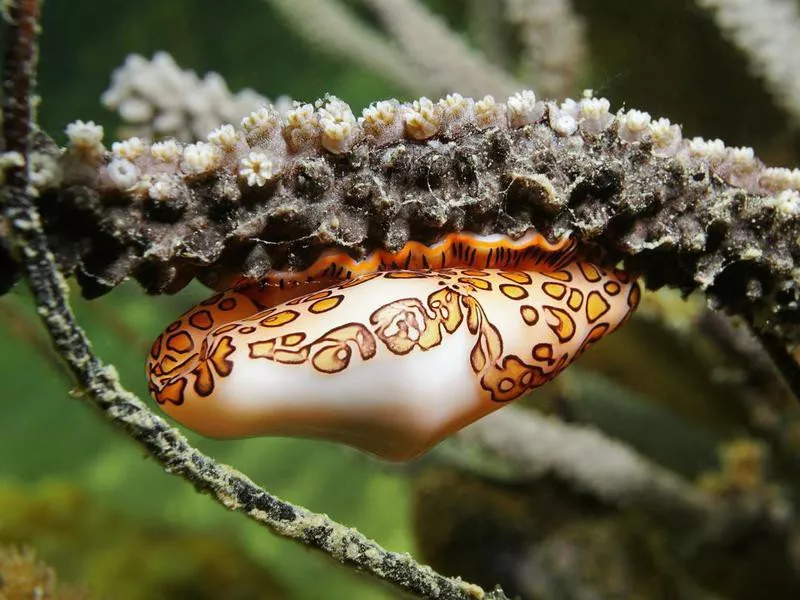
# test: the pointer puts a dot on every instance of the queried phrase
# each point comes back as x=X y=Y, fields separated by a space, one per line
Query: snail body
x=388 y=361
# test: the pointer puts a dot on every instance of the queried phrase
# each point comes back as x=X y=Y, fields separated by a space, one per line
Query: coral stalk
x=445 y=57
x=535 y=445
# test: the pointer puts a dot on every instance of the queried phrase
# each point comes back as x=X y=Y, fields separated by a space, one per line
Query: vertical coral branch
x=783 y=360
x=331 y=26
x=19 y=79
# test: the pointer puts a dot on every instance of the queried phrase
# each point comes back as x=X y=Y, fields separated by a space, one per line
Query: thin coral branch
x=741 y=358
x=25 y=327
x=783 y=359
x=102 y=390
x=768 y=33
x=534 y=445
x=448 y=60
x=19 y=62
x=329 y=25
x=487 y=28
x=554 y=42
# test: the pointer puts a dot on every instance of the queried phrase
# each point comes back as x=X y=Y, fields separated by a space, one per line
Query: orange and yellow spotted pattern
x=390 y=361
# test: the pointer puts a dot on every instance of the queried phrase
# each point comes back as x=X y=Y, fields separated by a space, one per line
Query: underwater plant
x=235 y=204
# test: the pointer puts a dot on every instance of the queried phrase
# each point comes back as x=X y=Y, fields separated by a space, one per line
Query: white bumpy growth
x=262 y=148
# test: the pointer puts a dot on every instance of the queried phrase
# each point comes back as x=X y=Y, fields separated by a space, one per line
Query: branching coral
x=421 y=53
x=768 y=32
x=330 y=25
x=536 y=445
x=425 y=40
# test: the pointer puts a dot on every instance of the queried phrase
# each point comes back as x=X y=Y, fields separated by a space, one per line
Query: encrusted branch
x=686 y=213
x=102 y=390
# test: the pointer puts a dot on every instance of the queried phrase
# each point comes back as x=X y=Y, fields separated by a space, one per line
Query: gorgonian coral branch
x=554 y=41
x=334 y=28
x=102 y=389
x=768 y=33
x=275 y=192
x=534 y=445
x=446 y=57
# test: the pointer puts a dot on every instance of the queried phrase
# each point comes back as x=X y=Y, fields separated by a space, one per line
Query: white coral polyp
x=422 y=119
x=455 y=106
x=378 y=118
x=300 y=116
x=713 y=151
x=775 y=179
x=787 y=203
x=86 y=137
x=456 y=113
x=129 y=149
x=666 y=137
x=633 y=125
x=561 y=121
x=261 y=121
x=523 y=109
x=201 y=157
x=594 y=115
x=571 y=108
x=338 y=125
x=257 y=169
x=489 y=113
x=168 y=151
x=379 y=114
x=302 y=128
x=122 y=173
x=225 y=137
x=742 y=160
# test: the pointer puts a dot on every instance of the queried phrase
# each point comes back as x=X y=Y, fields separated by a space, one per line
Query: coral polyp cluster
x=156 y=96
x=329 y=126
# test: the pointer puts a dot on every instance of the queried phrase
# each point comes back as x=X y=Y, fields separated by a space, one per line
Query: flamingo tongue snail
x=390 y=354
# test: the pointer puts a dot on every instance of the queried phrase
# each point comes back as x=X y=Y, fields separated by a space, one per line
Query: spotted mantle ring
x=392 y=353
